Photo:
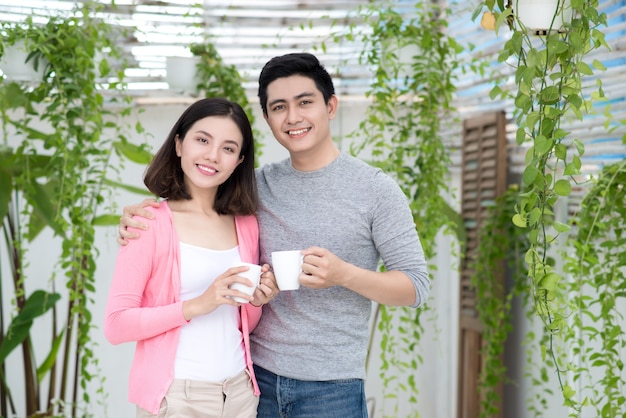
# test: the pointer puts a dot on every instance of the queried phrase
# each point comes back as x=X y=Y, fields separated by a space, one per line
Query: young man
x=310 y=346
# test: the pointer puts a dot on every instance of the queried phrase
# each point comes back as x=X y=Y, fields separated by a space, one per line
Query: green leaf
x=128 y=187
x=560 y=151
x=519 y=220
x=532 y=118
x=598 y=65
x=44 y=209
x=520 y=136
x=530 y=174
x=14 y=97
x=51 y=357
x=543 y=145
x=550 y=281
x=37 y=304
x=561 y=227
x=583 y=68
x=135 y=153
x=580 y=146
x=495 y=92
x=568 y=392
x=563 y=187
x=571 y=169
x=550 y=95
x=6 y=187
x=534 y=216
x=106 y=220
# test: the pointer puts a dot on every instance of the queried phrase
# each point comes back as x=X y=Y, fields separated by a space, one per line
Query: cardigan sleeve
x=141 y=302
x=248 y=237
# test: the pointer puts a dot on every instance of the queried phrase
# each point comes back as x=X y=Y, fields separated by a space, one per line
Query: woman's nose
x=211 y=153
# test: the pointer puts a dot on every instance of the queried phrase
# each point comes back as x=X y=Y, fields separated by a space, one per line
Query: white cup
x=287 y=266
x=253 y=274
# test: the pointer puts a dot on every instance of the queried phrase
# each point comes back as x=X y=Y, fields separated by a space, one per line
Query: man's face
x=297 y=114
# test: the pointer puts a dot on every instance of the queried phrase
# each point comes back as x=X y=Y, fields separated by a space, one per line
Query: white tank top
x=210 y=348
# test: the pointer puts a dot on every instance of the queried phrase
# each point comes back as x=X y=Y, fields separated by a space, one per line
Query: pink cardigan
x=144 y=304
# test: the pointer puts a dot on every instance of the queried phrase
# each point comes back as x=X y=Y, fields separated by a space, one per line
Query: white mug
x=287 y=266
x=253 y=274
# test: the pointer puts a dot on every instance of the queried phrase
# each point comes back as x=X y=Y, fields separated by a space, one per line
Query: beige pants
x=233 y=398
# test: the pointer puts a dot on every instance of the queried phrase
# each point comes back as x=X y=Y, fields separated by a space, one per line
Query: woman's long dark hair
x=164 y=175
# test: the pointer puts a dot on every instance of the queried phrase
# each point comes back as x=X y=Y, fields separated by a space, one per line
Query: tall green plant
x=58 y=138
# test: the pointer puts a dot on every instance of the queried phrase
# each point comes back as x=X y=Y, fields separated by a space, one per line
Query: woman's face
x=210 y=152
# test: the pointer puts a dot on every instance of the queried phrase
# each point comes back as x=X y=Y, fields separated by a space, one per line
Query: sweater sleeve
x=397 y=239
x=141 y=303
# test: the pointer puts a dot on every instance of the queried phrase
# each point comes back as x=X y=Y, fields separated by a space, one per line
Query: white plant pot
x=181 y=74
x=14 y=66
x=537 y=15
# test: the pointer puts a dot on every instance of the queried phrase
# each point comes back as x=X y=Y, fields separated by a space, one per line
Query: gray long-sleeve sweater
x=361 y=215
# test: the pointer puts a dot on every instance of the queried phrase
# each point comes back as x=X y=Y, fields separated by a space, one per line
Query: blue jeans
x=282 y=397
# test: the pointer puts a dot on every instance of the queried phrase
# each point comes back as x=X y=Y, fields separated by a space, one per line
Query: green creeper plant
x=58 y=139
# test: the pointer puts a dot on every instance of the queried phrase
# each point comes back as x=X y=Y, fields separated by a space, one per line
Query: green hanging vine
x=597 y=266
x=411 y=96
x=498 y=253
x=550 y=78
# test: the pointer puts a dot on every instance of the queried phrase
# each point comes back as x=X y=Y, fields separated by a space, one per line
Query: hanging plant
x=551 y=72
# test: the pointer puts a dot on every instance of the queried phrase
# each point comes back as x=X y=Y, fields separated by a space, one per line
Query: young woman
x=171 y=288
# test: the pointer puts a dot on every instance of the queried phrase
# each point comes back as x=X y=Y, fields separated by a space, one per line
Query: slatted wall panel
x=484 y=177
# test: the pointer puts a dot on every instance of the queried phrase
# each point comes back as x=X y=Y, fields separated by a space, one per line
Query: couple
x=309 y=346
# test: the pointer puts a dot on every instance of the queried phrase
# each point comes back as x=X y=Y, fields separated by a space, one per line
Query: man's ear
x=333 y=103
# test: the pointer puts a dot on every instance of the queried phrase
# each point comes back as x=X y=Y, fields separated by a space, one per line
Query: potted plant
x=182 y=73
x=17 y=65
x=542 y=16
x=58 y=138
